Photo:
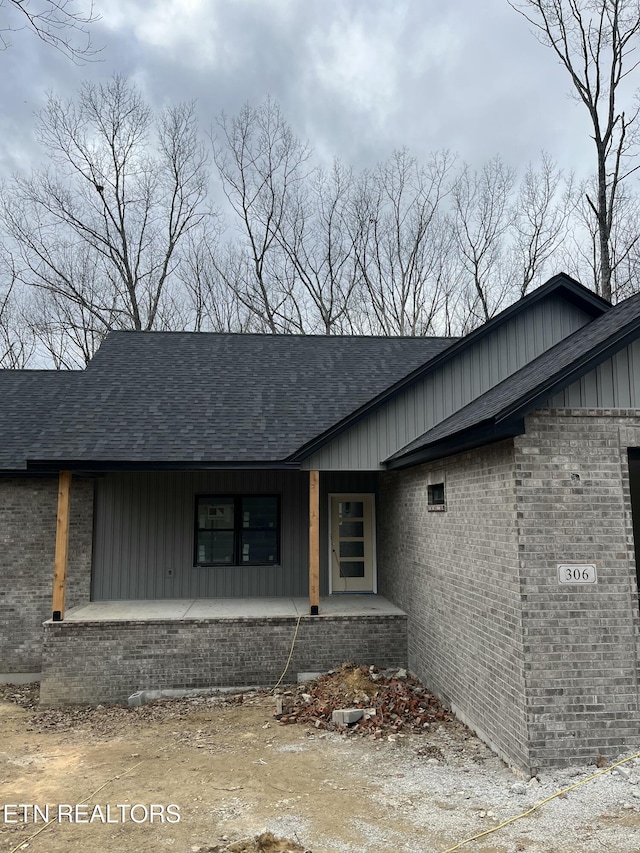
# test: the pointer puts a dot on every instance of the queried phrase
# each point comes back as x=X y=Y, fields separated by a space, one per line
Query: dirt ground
x=240 y=780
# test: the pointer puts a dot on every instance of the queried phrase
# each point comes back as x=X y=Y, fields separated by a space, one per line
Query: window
x=234 y=530
x=435 y=497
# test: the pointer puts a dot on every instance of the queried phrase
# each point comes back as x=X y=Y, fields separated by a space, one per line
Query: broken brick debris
x=390 y=701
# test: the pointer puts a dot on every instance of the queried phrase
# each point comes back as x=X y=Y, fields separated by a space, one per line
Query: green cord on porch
x=293 y=643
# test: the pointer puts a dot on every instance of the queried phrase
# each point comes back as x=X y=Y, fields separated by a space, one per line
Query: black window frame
x=238 y=530
x=436 y=497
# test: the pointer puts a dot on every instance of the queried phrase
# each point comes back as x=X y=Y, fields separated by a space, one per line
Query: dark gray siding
x=614 y=384
x=451 y=386
x=144 y=528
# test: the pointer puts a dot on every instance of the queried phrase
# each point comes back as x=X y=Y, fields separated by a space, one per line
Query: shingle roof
x=512 y=398
x=28 y=401
x=197 y=397
x=170 y=398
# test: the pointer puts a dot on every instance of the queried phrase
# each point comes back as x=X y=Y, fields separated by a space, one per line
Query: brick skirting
x=92 y=662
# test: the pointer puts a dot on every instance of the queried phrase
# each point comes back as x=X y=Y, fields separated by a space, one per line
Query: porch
x=104 y=651
x=229 y=608
x=214 y=579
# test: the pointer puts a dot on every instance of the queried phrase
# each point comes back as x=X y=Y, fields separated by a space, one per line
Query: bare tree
x=541 y=214
x=507 y=234
x=402 y=242
x=67 y=330
x=262 y=165
x=594 y=41
x=625 y=245
x=482 y=216
x=16 y=341
x=102 y=226
x=16 y=346
x=580 y=254
x=56 y=22
x=318 y=237
x=117 y=234
x=213 y=289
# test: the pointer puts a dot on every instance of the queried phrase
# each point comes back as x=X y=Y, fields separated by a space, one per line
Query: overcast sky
x=355 y=78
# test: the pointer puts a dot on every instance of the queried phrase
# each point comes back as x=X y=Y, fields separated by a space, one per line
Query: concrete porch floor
x=229 y=608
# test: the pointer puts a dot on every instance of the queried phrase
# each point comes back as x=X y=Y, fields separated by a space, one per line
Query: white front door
x=352 y=543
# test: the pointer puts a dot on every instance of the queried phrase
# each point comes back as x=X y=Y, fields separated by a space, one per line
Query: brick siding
x=546 y=673
x=28 y=509
x=90 y=662
x=456 y=575
x=580 y=641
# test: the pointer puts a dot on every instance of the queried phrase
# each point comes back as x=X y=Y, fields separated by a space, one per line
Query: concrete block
x=308 y=676
x=19 y=677
x=284 y=704
x=347 y=716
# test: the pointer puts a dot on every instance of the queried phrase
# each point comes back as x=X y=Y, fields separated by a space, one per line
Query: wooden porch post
x=62 y=546
x=314 y=542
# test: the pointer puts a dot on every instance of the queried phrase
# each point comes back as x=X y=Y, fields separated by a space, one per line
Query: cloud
x=185 y=31
x=355 y=78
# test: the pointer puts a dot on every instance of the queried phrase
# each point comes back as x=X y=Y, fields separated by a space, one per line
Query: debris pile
x=24 y=695
x=391 y=702
x=264 y=843
x=105 y=720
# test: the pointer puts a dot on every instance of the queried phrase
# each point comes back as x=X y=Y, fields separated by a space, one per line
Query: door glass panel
x=351 y=544
x=352 y=549
x=351 y=569
x=351 y=509
x=350 y=528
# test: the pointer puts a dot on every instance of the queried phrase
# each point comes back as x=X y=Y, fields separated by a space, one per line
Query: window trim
x=237 y=499
x=434 y=503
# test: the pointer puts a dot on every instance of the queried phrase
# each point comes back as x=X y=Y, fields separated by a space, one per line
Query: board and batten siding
x=144 y=536
x=450 y=386
x=144 y=527
x=614 y=384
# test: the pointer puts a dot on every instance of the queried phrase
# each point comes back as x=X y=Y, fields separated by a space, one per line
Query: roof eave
x=23 y=472
x=507 y=422
x=527 y=402
x=487 y=432
x=52 y=465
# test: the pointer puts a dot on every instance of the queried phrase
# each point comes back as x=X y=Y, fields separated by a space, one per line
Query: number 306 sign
x=577 y=573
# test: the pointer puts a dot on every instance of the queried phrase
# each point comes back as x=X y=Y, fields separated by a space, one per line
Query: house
x=189 y=505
